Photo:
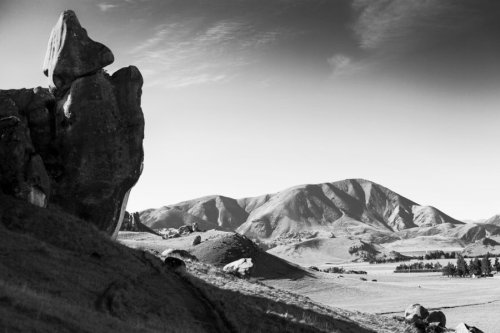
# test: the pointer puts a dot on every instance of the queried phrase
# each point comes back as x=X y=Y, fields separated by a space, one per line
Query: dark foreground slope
x=59 y=274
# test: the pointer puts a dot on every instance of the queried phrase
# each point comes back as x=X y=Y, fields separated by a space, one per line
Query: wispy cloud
x=429 y=39
x=186 y=53
x=104 y=6
x=340 y=64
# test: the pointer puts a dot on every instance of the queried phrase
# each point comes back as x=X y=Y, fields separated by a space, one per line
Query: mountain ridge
x=350 y=207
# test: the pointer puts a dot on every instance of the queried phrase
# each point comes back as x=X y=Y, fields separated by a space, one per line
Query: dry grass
x=281 y=306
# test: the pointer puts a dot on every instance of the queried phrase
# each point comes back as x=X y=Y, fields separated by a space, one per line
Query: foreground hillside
x=59 y=274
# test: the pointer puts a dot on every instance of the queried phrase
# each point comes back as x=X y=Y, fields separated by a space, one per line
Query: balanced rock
x=72 y=54
x=241 y=267
x=416 y=313
x=99 y=129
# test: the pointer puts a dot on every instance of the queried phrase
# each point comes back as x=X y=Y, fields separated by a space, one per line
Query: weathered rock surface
x=22 y=172
x=437 y=317
x=81 y=147
x=72 y=54
x=416 y=313
x=100 y=145
x=174 y=264
x=241 y=267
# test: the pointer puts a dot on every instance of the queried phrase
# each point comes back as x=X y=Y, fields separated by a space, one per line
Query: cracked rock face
x=78 y=145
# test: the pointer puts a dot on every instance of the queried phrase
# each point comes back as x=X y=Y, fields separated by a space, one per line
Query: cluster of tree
x=417 y=267
x=338 y=270
x=440 y=255
x=363 y=247
x=392 y=260
x=476 y=267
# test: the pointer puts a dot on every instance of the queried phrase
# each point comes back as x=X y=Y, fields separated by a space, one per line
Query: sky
x=247 y=97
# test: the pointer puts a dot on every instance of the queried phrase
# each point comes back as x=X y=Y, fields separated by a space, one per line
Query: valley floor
x=474 y=301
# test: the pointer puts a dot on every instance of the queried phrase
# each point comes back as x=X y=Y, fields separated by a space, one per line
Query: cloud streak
x=189 y=53
x=104 y=7
x=444 y=40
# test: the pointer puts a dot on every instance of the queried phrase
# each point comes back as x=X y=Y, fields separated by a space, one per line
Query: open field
x=475 y=301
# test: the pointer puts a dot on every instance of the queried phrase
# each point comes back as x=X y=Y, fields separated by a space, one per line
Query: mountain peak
x=355 y=207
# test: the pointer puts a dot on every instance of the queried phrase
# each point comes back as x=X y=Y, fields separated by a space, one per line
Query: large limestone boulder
x=72 y=54
x=241 y=267
x=416 y=314
x=100 y=144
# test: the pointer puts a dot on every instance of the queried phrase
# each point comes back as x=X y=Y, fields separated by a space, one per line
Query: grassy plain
x=474 y=301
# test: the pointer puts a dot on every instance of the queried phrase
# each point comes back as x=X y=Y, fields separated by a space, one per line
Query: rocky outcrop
x=77 y=145
x=24 y=115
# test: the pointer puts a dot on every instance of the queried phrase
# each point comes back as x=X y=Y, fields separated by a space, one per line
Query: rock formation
x=78 y=144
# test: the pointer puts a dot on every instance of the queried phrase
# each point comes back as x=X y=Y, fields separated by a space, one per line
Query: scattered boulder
x=197 y=240
x=240 y=268
x=416 y=314
x=436 y=317
x=174 y=264
x=464 y=328
x=435 y=328
x=185 y=230
x=314 y=268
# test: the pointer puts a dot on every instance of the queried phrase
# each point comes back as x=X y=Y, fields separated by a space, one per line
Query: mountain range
x=355 y=209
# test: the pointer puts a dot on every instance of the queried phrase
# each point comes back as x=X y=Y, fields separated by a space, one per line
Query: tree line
x=418 y=267
x=440 y=255
x=476 y=267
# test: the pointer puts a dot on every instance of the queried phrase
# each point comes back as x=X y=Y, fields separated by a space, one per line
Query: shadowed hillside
x=60 y=274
